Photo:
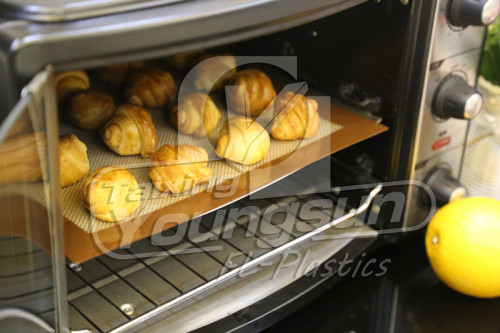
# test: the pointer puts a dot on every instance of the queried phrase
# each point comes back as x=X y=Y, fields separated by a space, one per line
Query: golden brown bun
x=296 y=117
x=130 y=131
x=111 y=193
x=243 y=140
x=195 y=114
x=254 y=88
x=67 y=83
x=149 y=87
x=90 y=109
x=212 y=72
x=179 y=168
x=22 y=159
x=186 y=60
x=116 y=75
x=73 y=161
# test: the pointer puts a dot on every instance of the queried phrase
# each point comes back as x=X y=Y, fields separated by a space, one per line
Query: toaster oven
x=395 y=85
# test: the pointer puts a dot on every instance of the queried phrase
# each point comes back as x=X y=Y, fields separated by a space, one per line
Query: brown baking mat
x=87 y=237
x=151 y=199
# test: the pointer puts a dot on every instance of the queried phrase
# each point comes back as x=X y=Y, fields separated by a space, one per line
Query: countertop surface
x=407 y=298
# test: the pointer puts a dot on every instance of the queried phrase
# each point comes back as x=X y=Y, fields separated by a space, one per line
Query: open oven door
x=32 y=275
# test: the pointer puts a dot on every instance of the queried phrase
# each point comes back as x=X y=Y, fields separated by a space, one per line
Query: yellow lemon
x=463 y=246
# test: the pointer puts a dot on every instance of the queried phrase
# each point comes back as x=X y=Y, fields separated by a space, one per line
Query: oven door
x=32 y=278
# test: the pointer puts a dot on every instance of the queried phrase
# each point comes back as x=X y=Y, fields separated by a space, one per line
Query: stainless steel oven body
x=448 y=99
x=420 y=58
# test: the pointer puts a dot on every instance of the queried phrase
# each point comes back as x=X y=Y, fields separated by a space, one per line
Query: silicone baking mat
x=151 y=199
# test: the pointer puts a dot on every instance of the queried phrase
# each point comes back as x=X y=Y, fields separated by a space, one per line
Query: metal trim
x=63 y=10
x=44 y=107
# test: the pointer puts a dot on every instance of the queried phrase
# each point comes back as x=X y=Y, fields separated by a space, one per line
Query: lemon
x=463 y=246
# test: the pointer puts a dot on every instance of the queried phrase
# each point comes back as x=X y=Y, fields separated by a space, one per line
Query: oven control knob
x=463 y=13
x=455 y=98
x=445 y=187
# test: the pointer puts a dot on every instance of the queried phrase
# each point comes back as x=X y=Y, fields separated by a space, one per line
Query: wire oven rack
x=109 y=295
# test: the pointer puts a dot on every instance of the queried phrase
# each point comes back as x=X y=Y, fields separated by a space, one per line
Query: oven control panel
x=440 y=174
x=456 y=98
x=450 y=100
x=460 y=26
x=446 y=187
x=462 y=13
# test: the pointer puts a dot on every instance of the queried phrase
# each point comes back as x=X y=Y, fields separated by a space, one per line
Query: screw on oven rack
x=128 y=309
x=314 y=33
x=75 y=267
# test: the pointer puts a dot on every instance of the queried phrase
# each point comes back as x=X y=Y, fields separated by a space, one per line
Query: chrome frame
x=39 y=98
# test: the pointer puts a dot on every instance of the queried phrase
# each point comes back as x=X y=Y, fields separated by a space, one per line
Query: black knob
x=445 y=187
x=463 y=13
x=455 y=98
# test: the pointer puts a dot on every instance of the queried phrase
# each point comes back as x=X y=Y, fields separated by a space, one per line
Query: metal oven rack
x=109 y=295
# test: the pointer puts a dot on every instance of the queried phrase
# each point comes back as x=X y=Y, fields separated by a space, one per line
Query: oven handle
x=158 y=310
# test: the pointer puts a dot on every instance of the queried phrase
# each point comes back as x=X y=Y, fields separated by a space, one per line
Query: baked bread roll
x=90 y=109
x=195 y=114
x=130 y=131
x=22 y=159
x=185 y=60
x=179 y=168
x=111 y=194
x=212 y=71
x=253 y=94
x=116 y=75
x=67 y=83
x=243 y=140
x=150 y=87
x=73 y=161
x=296 y=117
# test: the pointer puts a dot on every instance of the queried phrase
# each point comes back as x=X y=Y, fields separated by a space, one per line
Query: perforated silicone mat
x=151 y=200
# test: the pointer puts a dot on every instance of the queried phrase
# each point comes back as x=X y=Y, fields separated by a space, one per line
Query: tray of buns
x=142 y=151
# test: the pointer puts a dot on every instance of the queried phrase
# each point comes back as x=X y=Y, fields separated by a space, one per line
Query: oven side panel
x=439 y=142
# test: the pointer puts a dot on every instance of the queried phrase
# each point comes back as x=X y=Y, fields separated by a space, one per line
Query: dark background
x=409 y=298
